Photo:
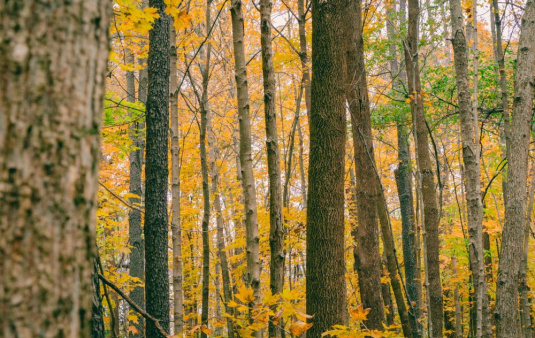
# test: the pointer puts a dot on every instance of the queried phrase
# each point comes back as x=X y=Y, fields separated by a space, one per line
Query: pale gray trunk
x=53 y=58
x=515 y=204
x=176 y=233
x=246 y=161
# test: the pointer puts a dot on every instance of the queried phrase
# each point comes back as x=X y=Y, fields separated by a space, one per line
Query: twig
x=134 y=305
x=121 y=199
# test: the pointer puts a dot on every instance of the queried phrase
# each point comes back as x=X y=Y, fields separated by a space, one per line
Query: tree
x=325 y=268
x=246 y=161
x=469 y=132
x=517 y=170
x=51 y=89
x=276 y=233
x=157 y=172
x=425 y=174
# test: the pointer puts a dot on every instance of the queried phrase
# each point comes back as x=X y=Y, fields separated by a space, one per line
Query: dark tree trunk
x=156 y=173
x=325 y=268
x=51 y=92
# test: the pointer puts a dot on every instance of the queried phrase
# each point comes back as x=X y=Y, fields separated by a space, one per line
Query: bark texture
x=52 y=67
x=176 y=231
x=472 y=178
x=276 y=232
x=431 y=215
x=246 y=161
x=367 y=232
x=156 y=173
x=506 y=312
x=325 y=268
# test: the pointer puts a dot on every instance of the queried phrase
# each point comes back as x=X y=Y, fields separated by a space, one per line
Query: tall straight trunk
x=246 y=161
x=431 y=213
x=276 y=232
x=367 y=232
x=506 y=314
x=205 y=121
x=325 y=252
x=221 y=252
x=137 y=263
x=51 y=92
x=97 y=311
x=302 y=176
x=176 y=232
x=157 y=172
x=472 y=177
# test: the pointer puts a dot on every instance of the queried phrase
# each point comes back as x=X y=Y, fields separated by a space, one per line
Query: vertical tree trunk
x=301 y=12
x=367 y=240
x=506 y=314
x=425 y=168
x=157 y=172
x=49 y=141
x=325 y=268
x=97 y=312
x=221 y=252
x=205 y=121
x=472 y=178
x=276 y=233
x=176 y=231
x=137 y=263
x=246 y=161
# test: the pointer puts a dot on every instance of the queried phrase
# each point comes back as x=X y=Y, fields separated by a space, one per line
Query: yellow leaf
x=232 y=304
x=206 y=330
x=359 y=313
x=245 y=294
x=298 y=328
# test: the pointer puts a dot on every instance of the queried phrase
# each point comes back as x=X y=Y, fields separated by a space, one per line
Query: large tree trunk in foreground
x=52 y=67
x=246 y=160
x=472 y=177
x=325 y=268
x=176 y=231
x=156 y=173
x=367 y=232
x=506 y=314
x=276 y=233
x=425 y=173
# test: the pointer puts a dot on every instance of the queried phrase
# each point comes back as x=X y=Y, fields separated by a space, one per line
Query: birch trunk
x=53 y=59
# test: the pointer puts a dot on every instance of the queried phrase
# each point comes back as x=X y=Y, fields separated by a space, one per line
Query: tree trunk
x=301 y=12
x=425 y=172
x=137 y=263
x=157 y=172
x=515 y=204
x=367 y=239
x=472 y=178
x=176 y=232
x=276 y=233
x=325 y=252
x=51 y=89
x=246 y=161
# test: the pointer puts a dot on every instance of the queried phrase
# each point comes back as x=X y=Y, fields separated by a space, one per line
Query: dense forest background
x=267 y=168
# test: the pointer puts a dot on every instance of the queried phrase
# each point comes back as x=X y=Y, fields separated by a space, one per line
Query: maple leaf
x=299 y=327
x=359 y=313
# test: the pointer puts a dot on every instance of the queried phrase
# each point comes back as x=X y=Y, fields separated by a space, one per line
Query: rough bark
x=472 y=177
x=276 y=232
x=97 y=312
x=367 y=232
x=303 y=56
x=506 y=314
x=325 y=268
x=176 y=231
x=246 y=161
x=425 y=173
x=53 y=59
x=157 y=172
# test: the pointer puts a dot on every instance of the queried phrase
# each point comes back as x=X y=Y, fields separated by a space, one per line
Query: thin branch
x=121 y=199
